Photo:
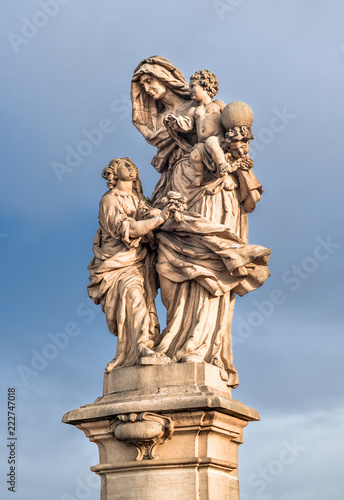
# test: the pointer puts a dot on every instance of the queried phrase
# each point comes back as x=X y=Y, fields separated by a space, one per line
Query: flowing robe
x=122 y=278
x=148 y=115
x=200 y=304
x=192 y=258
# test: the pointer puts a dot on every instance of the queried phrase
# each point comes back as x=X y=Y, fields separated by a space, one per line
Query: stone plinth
x=166 y=431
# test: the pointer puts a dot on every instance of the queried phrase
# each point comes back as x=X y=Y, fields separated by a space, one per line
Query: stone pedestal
x=166 y=431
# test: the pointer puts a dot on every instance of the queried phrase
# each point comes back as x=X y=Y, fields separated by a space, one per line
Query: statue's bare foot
x=110 y=366
x=146 y=352
x=163 y=356
x=191 y=358
x=150 y=357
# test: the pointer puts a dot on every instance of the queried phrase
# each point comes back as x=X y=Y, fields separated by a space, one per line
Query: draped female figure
x=205 y=259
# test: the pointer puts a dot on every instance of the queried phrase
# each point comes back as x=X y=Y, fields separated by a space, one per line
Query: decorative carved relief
x=143 y=430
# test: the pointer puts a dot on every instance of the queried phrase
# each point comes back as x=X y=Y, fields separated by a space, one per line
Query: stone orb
x=237 y=114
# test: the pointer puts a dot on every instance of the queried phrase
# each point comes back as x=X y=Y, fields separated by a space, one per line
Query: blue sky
x=67 y=73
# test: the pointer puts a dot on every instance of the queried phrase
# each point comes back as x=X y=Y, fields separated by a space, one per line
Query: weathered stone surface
x=204 y=258
x=166 y=425
x=159 y=388
x=179 y=438
x=194 y=237
x=237 y=114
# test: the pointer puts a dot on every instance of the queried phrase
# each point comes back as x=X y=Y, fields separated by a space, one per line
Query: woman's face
x=126 y=172
x=153 y=86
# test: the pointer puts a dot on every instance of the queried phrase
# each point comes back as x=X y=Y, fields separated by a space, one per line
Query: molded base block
x=166 y=432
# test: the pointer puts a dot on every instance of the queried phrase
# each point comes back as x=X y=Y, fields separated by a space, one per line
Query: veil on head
x=145 y=108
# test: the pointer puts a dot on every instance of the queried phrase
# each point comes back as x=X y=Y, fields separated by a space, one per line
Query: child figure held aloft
x=206 y=116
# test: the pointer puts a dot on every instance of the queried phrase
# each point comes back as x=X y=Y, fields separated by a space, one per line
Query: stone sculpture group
x=191 y=238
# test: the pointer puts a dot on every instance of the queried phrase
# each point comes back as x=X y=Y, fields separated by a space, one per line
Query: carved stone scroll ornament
x=142 y=430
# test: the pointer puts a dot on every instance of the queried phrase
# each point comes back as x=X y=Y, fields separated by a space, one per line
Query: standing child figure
x=206 y=116
x=237 y=119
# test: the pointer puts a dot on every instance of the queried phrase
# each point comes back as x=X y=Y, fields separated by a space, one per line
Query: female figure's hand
x=170 y=120
x=165 y=212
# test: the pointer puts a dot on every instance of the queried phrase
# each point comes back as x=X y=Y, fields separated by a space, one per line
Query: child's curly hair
x=110 y=173
x=236 y=134
x=207 y=80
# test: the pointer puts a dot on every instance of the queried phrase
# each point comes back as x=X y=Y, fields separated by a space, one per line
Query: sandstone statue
x=199 y=274
x=122 y=274
x=195 y=236
x=167 y=416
